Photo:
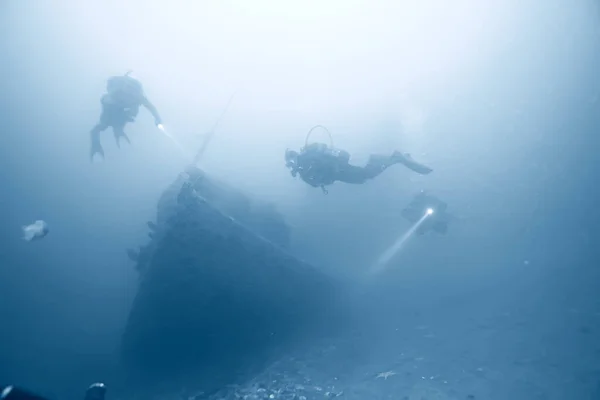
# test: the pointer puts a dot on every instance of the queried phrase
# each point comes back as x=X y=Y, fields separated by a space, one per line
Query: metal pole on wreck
x=211 y=133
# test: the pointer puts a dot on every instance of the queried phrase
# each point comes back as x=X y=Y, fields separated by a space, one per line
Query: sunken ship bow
x=217 y=283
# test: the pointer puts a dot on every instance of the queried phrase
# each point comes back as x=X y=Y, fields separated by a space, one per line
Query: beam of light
x=194 y=159
x=385 y=257
x=174 y=140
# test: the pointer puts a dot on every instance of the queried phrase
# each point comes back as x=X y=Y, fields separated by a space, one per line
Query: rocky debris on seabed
x=320 y=373
x=430 y=356
x=277 y=382
x=456 y=364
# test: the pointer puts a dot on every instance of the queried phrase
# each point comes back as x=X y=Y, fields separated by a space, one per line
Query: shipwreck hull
x=213 y=291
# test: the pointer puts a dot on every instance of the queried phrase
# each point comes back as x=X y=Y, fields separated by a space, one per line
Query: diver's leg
x=96 y=147
x=102 y=125
x=355 y=175
x=375 y=166
x=119 y=132
x=406 y=160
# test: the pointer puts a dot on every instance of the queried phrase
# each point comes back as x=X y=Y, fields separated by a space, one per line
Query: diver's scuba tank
x=327 y=149
x=343 y=156
x=322 y=148
x=124 y=87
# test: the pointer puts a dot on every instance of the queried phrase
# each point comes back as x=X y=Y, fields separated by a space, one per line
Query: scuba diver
x=120 y=105
x=431 y=210
x=321 y=165
x=17 y=393
x=96 y=391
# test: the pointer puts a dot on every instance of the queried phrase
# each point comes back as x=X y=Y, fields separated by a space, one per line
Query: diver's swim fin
x=411 y=164
x=121 y=135
x=96 y=149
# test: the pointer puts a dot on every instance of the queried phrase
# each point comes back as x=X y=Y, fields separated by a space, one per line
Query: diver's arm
x=150 y=107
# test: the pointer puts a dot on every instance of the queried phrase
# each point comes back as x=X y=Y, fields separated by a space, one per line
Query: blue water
x=502 y=101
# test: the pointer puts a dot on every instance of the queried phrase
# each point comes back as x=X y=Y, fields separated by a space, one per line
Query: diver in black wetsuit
x=120 y=105
x=320 y=165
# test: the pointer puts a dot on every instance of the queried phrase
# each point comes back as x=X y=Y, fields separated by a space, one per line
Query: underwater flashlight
x=429 y=211
x=161 y=127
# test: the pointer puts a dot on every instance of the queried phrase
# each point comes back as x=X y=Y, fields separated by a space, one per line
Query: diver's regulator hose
x=311 y=131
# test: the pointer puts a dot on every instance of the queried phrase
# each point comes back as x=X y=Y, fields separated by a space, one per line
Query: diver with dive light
x=429 y=212
x=321 y=165
x=120 y=105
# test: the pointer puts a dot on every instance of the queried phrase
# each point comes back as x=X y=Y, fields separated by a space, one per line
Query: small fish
x=385 y=375
x=36 y=231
